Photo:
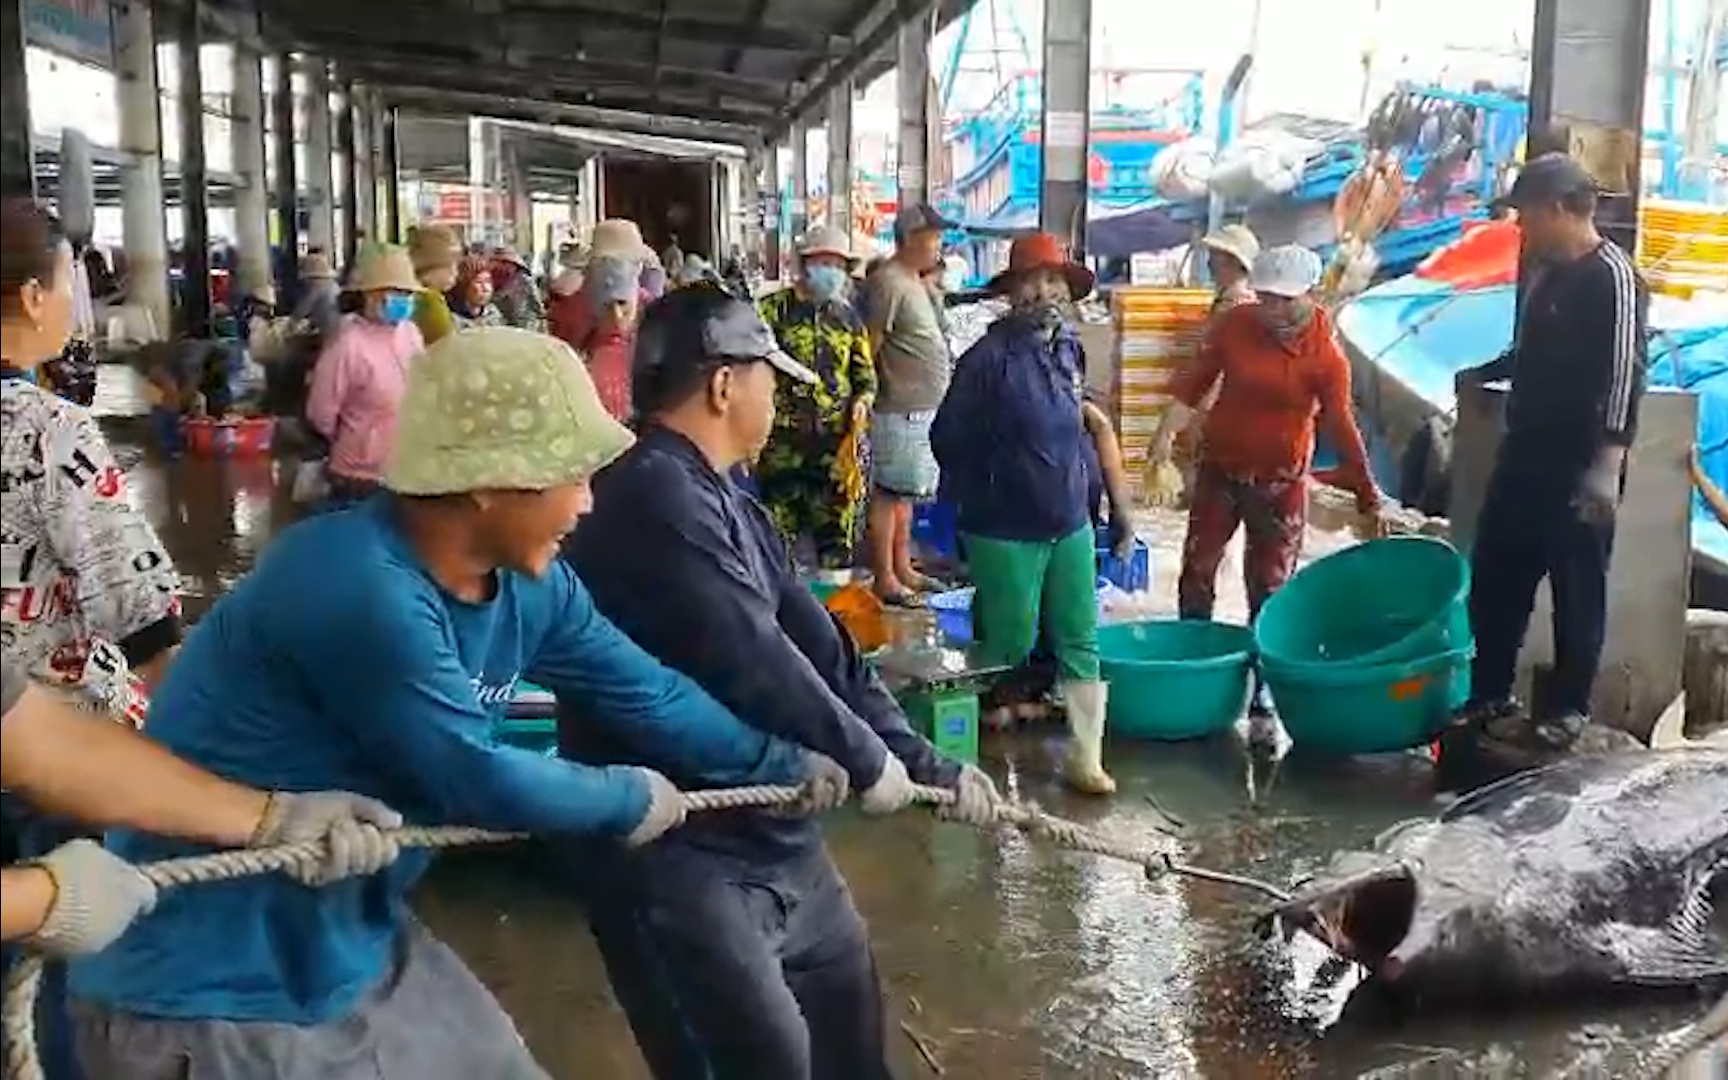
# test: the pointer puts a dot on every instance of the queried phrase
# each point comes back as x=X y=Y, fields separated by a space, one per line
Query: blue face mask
x=825 y=282
x=397 y=308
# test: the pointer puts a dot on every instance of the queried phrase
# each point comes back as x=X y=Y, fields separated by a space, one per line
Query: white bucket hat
x=1287 y=271
x=1236 y=241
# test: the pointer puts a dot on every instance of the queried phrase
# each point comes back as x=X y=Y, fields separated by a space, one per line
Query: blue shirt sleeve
x=415 y=714
x=956 y=429
x=640 y=700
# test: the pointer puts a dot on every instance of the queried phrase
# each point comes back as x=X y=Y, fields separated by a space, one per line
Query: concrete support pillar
x=761 y=197
x=286 y=185
x=348 y=180
x=389 y=174
x=840 y=157
x=251 y=186
x=363 y=149
x=520 y=201
x=17 y=150
x=143 y=227
x=1067 y=116
x=912 y=176
x=1588 y=63
x=800 y=211
x=194 y=177
x=320 y=204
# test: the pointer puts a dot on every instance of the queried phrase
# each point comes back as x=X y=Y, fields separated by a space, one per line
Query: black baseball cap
x=1550 y=178
x=919 y=217
x=698 y=328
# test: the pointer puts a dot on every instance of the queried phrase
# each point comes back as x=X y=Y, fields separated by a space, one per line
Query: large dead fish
x=1592 y=874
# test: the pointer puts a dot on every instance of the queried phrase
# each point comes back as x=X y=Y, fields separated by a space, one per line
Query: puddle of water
x=1011 y=959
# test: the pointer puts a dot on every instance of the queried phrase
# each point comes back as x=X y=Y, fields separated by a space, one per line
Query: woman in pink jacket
x=357 y=385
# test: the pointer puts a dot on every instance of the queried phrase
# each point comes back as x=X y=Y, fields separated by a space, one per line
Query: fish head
x=1383 y=912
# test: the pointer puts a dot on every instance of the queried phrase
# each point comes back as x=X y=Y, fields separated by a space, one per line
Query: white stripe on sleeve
x=1623 y=342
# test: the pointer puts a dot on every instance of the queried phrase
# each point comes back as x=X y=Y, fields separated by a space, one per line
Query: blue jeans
x=734 y=970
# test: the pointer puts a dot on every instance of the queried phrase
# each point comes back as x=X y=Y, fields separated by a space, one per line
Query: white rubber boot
x=1084 y=768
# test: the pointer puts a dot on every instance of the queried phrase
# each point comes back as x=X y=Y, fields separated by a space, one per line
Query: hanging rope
x=22 y=983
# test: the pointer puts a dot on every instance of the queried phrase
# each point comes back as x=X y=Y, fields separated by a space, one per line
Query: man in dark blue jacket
x=736 y=949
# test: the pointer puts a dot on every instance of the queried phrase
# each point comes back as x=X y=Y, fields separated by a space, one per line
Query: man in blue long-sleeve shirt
x=373 y=650
x=734 y=946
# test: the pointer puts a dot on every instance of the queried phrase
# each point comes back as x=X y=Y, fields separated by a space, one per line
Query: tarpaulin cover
x=1422 y=329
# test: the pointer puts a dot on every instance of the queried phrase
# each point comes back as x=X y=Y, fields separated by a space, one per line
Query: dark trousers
x=729 y=970
x=1529 y=530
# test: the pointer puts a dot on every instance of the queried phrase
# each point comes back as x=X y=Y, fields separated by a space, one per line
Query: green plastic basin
x=1174 y=679
x=1369 y=708
x=1401 y=598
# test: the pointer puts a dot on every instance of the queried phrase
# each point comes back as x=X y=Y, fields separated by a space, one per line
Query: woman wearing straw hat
x=358 y=382
x=374 y=650
x=1011 y=438
x=435 y=253
x=812 y=473
x=1230 y=253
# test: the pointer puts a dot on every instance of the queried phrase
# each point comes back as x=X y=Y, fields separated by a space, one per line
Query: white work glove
x=891 y=792
x=825 y=786
x=666 y=809
x=97 y=895
x=1598 y=498
x=352 y=826
x=975 y=798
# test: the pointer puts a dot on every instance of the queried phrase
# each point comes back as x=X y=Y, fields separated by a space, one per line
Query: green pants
x=1025 y=585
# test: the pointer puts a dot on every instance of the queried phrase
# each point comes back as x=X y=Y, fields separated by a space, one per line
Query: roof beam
x=556 y=25
x=823 y=76
x=630 y=99
x=445 y=101
x=538 y=62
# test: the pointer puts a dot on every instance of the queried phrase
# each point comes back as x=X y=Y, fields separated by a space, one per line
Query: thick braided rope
x=17 y=1018
x=1709 y=1031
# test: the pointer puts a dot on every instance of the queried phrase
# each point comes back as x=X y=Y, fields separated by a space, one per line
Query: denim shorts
x=902 y=463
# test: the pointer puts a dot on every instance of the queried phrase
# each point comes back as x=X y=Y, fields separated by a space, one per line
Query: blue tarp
x=1423 y=332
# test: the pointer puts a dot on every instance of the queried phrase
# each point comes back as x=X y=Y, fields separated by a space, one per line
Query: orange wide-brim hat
x=1042 y=251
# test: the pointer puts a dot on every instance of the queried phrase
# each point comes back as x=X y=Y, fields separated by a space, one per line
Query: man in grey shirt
x=913 y=364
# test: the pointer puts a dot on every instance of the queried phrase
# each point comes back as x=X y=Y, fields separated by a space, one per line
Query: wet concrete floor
x=1007 y=959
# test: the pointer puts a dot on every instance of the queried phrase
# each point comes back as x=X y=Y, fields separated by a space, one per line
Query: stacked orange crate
x=1158 y=333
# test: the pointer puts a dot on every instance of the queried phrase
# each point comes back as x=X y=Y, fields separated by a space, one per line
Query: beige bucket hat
x=383 y=267
x=824 y=240
x=499 y=408
x=1236 y=241
x=434 y=247
x=618 y=236
x=315 y=266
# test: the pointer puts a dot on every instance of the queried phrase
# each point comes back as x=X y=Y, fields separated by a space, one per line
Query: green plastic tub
x=1369 y=708
x=1175 y=679
x=1401 y=598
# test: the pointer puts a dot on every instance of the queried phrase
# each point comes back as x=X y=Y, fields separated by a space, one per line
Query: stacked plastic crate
x=1158 y=333
x=1683 y=247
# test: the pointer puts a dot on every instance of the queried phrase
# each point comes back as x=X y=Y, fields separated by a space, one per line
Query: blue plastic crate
x=1133 y=574
x=935 y=526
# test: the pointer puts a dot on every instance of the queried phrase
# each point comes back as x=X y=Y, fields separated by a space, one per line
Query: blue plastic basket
x=953 y=611
x=1133 y=574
